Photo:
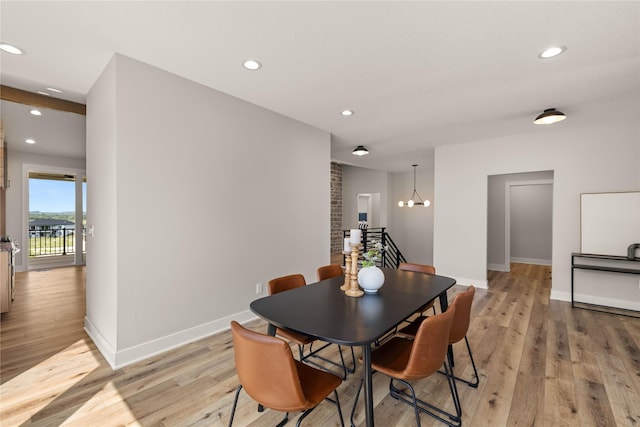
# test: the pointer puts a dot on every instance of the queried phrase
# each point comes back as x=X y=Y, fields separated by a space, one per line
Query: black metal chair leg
x=454 y=391
x=473 y=363
x=422 y=406
x=235 y=402
x=337 y=403
x=284 y=421
x=473 y=383
x=355 y=403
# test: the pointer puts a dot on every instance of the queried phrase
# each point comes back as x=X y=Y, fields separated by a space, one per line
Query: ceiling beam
x=36 y=100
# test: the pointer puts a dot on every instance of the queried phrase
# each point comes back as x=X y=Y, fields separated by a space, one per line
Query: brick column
x=336 y=208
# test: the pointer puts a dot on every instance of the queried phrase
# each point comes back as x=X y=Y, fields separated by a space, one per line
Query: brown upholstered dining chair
x=420 y=268
x=329 y=271
x=463 y=302
x=272 y=377
x=403 y=360
x=286 y=283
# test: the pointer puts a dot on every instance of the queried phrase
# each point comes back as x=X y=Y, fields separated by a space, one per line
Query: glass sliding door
x=55 y=225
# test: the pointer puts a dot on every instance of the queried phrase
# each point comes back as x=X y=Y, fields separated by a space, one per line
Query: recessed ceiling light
x=35 y=112
x=53 y=89
x=41 y=92
x=347 y=113
x=552 y=51
x=9 y=48
x=251 y=64
x=30 y=141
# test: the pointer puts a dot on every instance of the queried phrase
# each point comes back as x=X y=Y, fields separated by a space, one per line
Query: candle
x=347 y=245
x=355 y=236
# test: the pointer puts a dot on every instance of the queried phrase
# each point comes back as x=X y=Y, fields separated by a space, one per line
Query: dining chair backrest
x=462 y=302
x=429 y=346
x=329 y=271
x=266 y=369
x=286 y=283
x=418 y=268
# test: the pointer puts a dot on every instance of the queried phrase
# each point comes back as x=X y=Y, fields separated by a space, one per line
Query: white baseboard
x=607 y=302
x=101 y=343
x=534 y=261
x=480 y=284
x=499 y=267
x=560 y=295
x=128 y=356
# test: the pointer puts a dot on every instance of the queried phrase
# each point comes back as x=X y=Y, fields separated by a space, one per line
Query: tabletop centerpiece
x=370 y=277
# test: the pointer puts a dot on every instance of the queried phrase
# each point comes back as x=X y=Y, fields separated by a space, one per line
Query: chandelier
x=415 y=199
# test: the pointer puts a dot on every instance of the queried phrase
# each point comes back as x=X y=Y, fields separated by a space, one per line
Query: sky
x=54 y=196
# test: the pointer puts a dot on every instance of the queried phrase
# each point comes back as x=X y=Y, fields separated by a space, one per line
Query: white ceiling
x=417 y=74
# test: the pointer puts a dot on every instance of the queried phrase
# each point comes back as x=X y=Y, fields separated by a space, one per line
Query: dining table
x=323 y=311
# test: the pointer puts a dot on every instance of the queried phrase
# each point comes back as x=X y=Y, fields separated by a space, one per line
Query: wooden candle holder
x=347 y=272
x=354 y=290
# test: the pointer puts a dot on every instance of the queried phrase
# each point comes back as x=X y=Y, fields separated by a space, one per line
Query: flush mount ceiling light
x=415 y=199
x=552 y=51
x=35 y=112
x=251 y=64
x=360 y=151
x=30 y=141
x=549 y=116
x=346 y=113
x=9 y=48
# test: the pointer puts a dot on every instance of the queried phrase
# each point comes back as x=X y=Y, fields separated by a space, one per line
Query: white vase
x=370 y=279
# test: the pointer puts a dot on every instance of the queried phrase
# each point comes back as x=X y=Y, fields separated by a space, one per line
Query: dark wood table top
x=323 y=311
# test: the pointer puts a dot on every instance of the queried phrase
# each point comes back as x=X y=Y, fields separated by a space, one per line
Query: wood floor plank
x=540 y=363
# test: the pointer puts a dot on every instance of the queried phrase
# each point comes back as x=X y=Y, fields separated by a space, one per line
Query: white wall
x=598 y=155
x=412 y=228
x=205 y=195
x=17 y=223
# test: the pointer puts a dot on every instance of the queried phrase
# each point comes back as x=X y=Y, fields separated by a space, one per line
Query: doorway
x=519 y=219
x=368 y=210
x=55 y=215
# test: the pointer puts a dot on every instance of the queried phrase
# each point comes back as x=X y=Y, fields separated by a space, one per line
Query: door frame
x=79 y=174
x=507 y=214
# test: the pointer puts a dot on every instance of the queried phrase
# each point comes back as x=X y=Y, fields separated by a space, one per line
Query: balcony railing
x=391 y=258
x=53 y=242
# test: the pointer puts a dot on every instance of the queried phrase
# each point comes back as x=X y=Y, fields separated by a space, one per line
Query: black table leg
x=368 y=385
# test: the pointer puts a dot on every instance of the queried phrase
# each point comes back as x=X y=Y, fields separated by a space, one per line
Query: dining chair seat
x=272 y=377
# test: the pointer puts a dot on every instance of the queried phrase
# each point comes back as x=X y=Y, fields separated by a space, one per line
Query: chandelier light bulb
x=401 y=203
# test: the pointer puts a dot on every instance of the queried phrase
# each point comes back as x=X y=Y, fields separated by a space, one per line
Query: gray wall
x=531 y=223
x=195 y=197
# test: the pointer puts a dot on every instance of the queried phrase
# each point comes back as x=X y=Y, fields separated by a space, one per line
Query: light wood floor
x=541 y=364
